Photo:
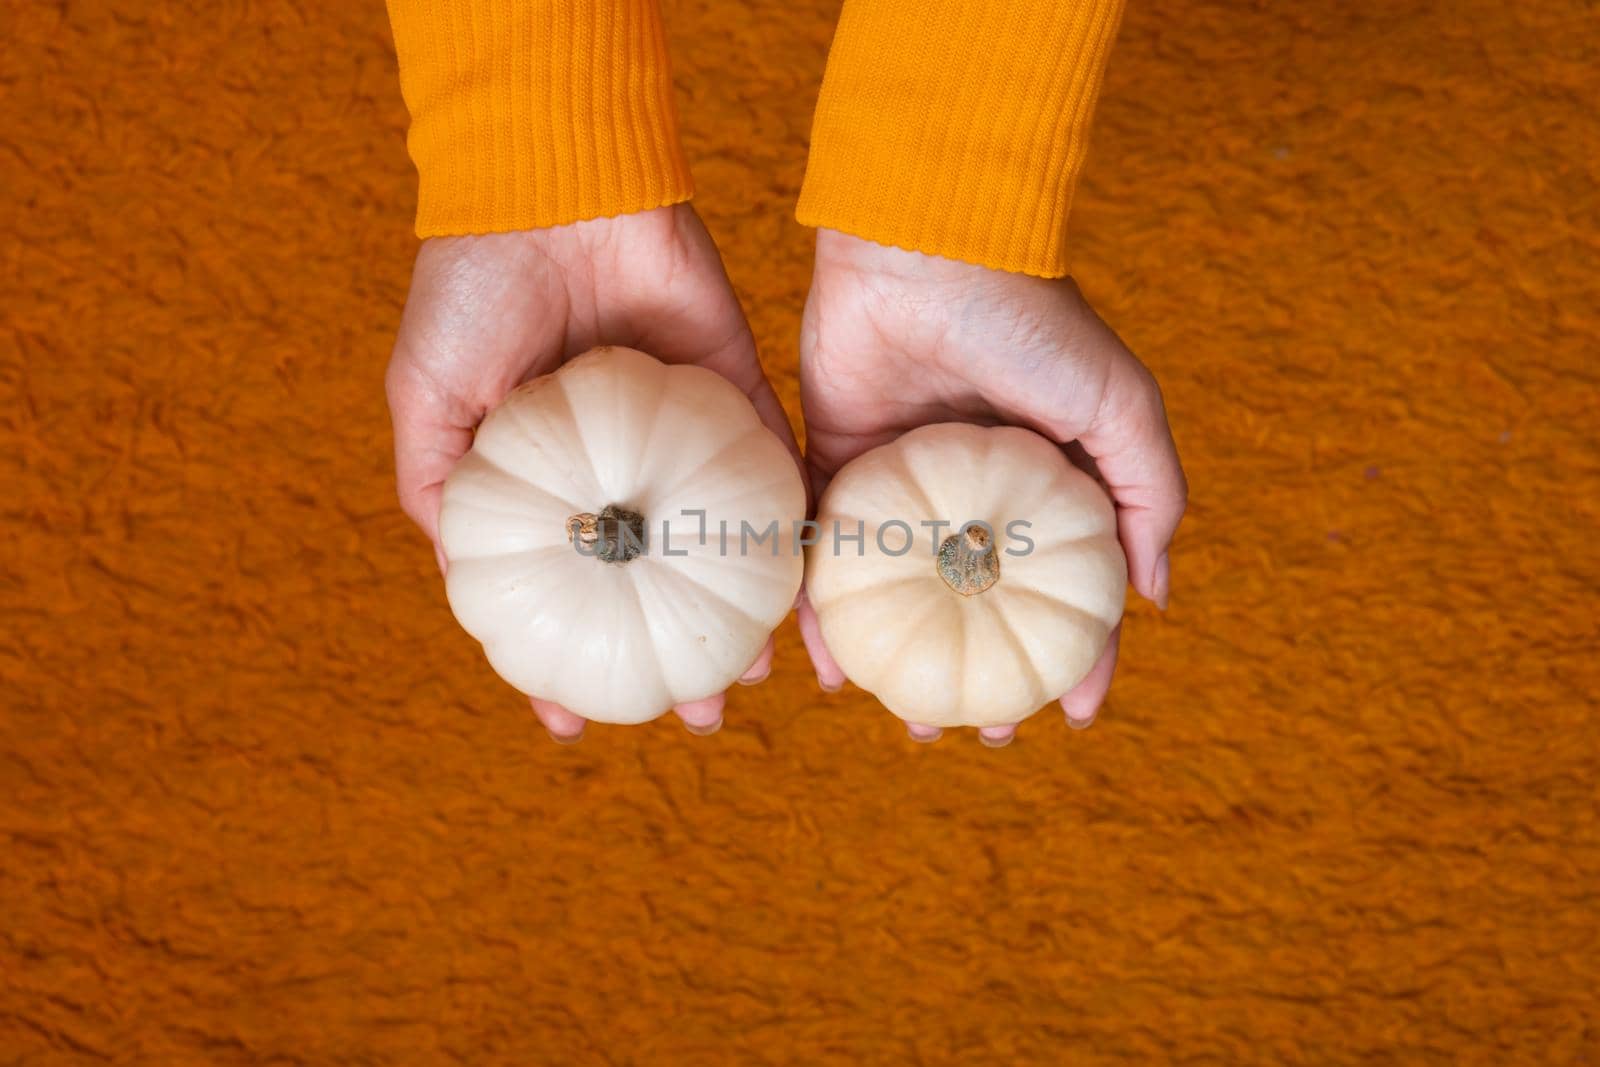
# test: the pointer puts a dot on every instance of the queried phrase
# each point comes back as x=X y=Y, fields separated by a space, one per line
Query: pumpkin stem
x=968 y=562
x=616 y=535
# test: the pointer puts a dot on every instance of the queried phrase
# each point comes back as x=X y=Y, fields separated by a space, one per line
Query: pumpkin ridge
x=913 y=633
x=667 y=576
x=966 y=656
x=1009 y=629
x=520 y=479
x=723 y=502
x=680 y=576
x=505 y=588
x=1041 y=545
x=500 y=470
x=880 y=588
x=650 y=636
x=648 y=438
x=576 y=466
x=460 y=558
x=568 y=413
x=911 y=482
x=695 y=471
x=1084 y=613
x=616 y=367
x=514 y=636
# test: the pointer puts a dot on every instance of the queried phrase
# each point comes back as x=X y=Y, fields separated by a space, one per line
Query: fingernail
x=704 y=731
x=1161 y=581
x=826 y=688
x=996 y=742
x=756 y=681
x=565 y=739
x=923 y=735
x=1081 y=724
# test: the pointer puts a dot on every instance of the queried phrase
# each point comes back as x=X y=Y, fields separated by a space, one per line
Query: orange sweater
x=953 y=127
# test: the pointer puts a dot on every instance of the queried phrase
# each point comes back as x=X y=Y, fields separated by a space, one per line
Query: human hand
x=892 y=340
x=488 y=313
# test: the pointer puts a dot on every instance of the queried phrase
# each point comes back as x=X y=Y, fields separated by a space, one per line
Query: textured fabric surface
x=533 y=113
x=261 y=801
x=958 y=127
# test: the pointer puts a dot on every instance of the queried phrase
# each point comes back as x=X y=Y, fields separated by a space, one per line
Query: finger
x=737 y=361
x=565 y=728
x=829 y=676
x=829 y=449
x=1134 y=452
x=430 y=435
x=1083 y=702
x=922 y=733
x=733 y=357
x=762 y=666
x=818 y=478
x=722 y=342
x=702 y=717
x=997 y=736
x=710 y=329
x=478 y=319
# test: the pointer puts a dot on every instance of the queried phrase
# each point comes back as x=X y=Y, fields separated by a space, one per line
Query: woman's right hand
x=488 y=313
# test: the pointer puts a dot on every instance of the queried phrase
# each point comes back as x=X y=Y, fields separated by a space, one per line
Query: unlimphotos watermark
x=619 y=534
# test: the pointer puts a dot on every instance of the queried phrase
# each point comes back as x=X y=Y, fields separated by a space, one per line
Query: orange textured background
x=262 y=802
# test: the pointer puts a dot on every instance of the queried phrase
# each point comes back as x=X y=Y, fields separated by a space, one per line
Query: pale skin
x=487 y=313
x=891 y=340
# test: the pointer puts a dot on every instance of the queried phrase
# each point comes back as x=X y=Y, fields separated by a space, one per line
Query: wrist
x=586 y=239
x=842 y=253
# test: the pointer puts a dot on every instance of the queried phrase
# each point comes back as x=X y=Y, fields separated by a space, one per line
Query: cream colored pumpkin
x=541 y=573
x=950 y=642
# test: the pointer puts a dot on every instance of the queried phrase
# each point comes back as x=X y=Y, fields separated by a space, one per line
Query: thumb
x=431 y=432
x=1093 y=391
x=1132 y=446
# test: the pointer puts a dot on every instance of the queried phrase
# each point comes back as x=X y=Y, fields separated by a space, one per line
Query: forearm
x=958 y=127
x=534 y=113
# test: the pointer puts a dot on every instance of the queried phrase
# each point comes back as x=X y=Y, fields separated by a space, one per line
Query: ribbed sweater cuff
x=533 y=113
x=958 y=127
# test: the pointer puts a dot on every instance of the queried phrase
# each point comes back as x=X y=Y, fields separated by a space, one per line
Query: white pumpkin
x=543 y=521
x=971 y=626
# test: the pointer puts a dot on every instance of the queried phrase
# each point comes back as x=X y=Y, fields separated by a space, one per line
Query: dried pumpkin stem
x=968 y=562
x=616 y=535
